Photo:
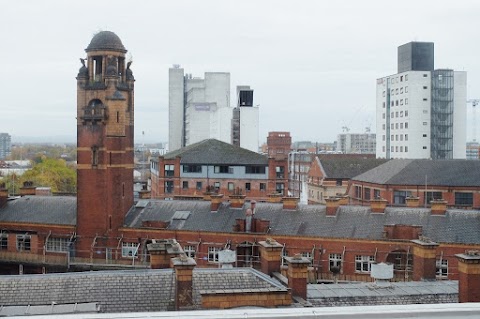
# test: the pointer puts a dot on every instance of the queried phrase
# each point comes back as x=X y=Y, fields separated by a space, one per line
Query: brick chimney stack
x=162 y=251
x=290 y=202
x=438 y=206
x=270 y=256
x=469 y=276
x=183 y=267
x=297 y=275
x=424 y=259
x=215 y=201
x=378 y=205
x=27 y=189
x=332 y=204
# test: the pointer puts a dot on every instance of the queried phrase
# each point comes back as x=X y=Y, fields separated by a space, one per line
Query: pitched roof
x=346 y=168
x=457 y=226
x=53 y=210
x=212 y=151
x=420 y=171
x=113 y=290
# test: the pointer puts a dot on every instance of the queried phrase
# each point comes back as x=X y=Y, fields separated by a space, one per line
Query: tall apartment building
x=353 y=143
x=421 y=111
x=199 y=109
x=5 y=145
x=245 y=120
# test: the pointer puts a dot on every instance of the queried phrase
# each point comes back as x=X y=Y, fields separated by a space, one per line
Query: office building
x=362 y=143
x=5 y=145
x=421 y=111
x=245 y=120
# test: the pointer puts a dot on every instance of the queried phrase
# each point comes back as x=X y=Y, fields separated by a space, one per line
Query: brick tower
x=105 y=86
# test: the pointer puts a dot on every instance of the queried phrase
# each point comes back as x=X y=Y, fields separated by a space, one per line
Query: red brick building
x=455 y=181
x=222 y=167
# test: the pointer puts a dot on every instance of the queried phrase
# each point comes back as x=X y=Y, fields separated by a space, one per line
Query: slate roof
x=347 y=168
x=212 y=151
x=456 y=226
x=54 y=210
x=106 y=40
x=455 y=173
x=124 y=291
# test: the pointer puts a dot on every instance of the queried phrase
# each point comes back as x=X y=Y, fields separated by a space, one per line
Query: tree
x=54 y=173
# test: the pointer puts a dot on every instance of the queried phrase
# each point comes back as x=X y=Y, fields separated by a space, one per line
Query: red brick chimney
x=332 y=204
x=183 y=267
x=412 y=201
x=290 y=202
x=378 y=205
x=161 y=251
x=297 y=275
x=270 y=256
x=469 y=276
x=215 y=201
x=424 y=259
x=27 y=189
x=3 y=194
x=438 y=206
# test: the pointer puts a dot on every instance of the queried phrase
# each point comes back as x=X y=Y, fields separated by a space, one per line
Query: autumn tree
x=54 y=173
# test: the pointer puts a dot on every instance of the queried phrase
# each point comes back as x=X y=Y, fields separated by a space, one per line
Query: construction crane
x=474 y=103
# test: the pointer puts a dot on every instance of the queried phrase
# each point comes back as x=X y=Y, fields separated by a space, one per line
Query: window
x=3 y=241
x=425 y=75
x=401 y=102
x=94 y=156
x=406 y=149
x=396 y=137
x=279 y=187
x=383 y=127
x=358 y=191
x=338 y=182
x=406 y=77
x=406 y=101
x=231 y=186
x=401 y=78
x=424 y=147
x=424 y=87
x=364 y=263
x=23 y=242
x=335 y=262
x=383 y=94
x=213 y=254
x=442 y=269
x=396 y=114
x=406 y=124
x=401 y=125
x=401 y=90
x=401 y=137
x=406 y=136
x=396 y=103
x=406 y=89
x=425 y=111
x=396 y=126
x=192 y=168
x=463 y=199
x=383 y=148
x=55 y=244
x=399 y=197
x=383 y=137
x=307 y=254
x=189 y=251
x=425 y=99
x=401 y=113
x=401 y=149
x=263 y=187
x=199 y=186
x=391 y=137
x=366 y=193
x=392 y=126
x=383 y=104
x=392 y=115
x=280 y=171
x=168 y=187
x=254 y=169
x=396 y=91
x=383 y=115
x=392 y=149
x=223 y=169
x=130 y=249
x=424 y=135
x=376 y=193
x=406 y=113
x=248 y=187
x=169 y=170
x=216 y=185
x=396 y=149
x=185 y=184
x=433 y=195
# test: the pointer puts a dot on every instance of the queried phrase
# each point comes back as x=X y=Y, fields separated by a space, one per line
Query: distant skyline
x=313 y=64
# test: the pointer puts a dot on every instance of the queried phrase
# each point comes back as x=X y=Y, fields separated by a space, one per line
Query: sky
x=312 y=64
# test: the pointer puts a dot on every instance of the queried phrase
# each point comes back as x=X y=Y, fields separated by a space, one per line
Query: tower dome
x=106 y=40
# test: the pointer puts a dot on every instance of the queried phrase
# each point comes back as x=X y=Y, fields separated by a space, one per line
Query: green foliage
x=54 y=173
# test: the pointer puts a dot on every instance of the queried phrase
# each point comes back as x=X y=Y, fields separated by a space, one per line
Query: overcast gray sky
x=312 y=64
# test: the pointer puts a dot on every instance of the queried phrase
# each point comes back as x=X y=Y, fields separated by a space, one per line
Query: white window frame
x=441 y=268
x=334 y=260
x=130 y=249
x=21 y=242
x=363 y=264
x=212 y=255
x=190 y=251
x=57 y=244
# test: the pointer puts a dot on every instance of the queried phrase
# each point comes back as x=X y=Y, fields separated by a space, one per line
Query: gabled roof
x=212 y=151
x=455 y=173
x=347 y=168
x=457 y=226
x=53 y=210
